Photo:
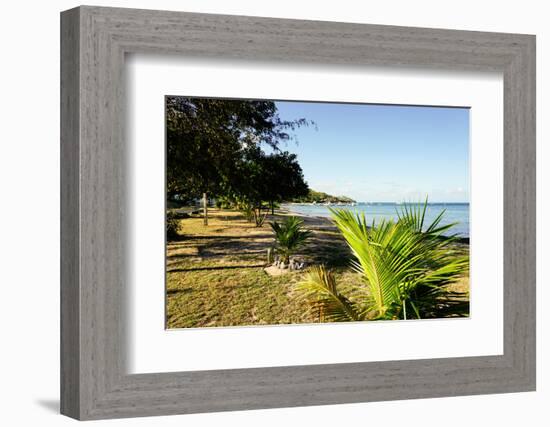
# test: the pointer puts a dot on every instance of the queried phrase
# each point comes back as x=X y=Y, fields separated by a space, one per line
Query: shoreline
x=464 y=240
x=309 y=220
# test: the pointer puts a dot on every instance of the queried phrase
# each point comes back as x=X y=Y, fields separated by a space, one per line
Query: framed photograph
x=261 y=213
x=237 y=256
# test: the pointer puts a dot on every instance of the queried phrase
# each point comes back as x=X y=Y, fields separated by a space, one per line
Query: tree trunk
x=205 y=207
x=258 y=218
x=257 y=215
x=272 y=208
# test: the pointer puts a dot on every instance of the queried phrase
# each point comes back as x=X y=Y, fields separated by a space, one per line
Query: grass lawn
x=215 y=274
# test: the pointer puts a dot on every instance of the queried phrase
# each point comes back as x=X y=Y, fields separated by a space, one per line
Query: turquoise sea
x=454 y=212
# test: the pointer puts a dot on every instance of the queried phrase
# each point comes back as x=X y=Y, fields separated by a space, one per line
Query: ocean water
x=454 y=212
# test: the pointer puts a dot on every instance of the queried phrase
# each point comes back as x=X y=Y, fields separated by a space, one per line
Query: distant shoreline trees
x=215 y=148
x=319 y=197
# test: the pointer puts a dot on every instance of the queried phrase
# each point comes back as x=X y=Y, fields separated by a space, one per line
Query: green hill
x=320 y=197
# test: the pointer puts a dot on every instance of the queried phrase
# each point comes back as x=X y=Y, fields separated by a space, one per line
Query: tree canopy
x=271 y=178
x=216 y=147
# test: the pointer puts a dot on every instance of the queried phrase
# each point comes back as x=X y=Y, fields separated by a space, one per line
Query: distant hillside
x=320 y=197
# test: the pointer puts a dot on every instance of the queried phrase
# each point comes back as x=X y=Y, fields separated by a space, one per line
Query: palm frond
x=404 y=265
x=289 y=235
x=319 y=287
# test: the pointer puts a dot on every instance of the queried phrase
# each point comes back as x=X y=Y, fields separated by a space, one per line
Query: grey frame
x=94 y=382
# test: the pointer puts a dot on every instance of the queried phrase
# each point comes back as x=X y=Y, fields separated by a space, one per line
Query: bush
x=172 y=225
x=223 y=203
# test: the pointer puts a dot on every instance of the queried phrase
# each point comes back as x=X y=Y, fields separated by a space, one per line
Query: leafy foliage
x=320 y=197
x=289 y=236
x=283 y=177
x=207 y=138
x=266 y=178
x=320 y=286
x=404 y=266
x=172 y=225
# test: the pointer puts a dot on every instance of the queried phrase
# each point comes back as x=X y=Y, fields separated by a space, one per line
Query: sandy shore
x=310 y=221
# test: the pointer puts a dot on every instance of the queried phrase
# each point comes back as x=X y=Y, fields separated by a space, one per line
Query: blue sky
x=383 y=152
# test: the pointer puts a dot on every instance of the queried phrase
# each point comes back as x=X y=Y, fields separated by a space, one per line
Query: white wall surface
x=29 y=213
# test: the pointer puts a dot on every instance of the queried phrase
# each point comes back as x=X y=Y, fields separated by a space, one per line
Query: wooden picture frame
x=94 y=382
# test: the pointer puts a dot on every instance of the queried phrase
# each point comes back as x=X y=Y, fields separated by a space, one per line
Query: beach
x=458 y=213
x=215 y=274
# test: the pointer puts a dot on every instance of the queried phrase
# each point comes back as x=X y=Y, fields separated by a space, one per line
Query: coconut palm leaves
x=320 y=286
x=290 y=235
x=403 y=265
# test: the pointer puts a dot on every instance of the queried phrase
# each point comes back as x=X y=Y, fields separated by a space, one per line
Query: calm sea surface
x=454 y=212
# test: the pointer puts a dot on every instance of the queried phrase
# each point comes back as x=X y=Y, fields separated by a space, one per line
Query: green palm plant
x=403 y=265
x=320 y=287
x=290 y=235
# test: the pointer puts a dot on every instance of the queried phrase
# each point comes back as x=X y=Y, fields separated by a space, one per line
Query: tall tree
x=269 y=178
x=206 y=138
x=284 y=179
